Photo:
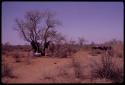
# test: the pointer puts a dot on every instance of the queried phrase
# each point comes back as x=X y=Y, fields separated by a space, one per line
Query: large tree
x=37 y=26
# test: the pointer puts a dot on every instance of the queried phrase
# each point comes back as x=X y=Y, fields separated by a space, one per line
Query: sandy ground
x=75 y=69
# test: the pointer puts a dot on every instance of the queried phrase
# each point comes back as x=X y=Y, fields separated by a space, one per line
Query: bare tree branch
x=37 y=26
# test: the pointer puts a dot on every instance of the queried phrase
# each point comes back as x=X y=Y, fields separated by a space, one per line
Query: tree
x=37 y=26
x=28 y=28
x=81 y=41
x=59 y=39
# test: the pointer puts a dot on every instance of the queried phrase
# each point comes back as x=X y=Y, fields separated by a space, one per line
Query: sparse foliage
x=81 y=41
x=77 y=68
x=7 y=70
x=37 y=26
x=107 y=69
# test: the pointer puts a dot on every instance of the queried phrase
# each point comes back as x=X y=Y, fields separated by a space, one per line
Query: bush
x=17 y=57
x=7 y=70
x=107 y=69
x=77 y=68
x=62 y=50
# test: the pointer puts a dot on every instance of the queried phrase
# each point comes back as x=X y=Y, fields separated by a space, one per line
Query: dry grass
x=107 y=69
x=63 y=51
x=17 y=57
x=77 y=68
x=7 y=70
x=61 y=68
x=118 y=50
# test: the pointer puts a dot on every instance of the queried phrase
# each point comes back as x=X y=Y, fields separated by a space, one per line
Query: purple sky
x=95 y=21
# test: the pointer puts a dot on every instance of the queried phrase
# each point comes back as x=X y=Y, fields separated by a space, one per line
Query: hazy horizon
x=95 y=21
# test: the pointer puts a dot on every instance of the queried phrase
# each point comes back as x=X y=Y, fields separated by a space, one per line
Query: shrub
x=107 y=69
x=7 y=70
x=63 y=50
x=77 y=68
x=17 y=57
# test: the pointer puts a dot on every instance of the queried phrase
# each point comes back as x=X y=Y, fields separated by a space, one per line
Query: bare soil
x=74 y=69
